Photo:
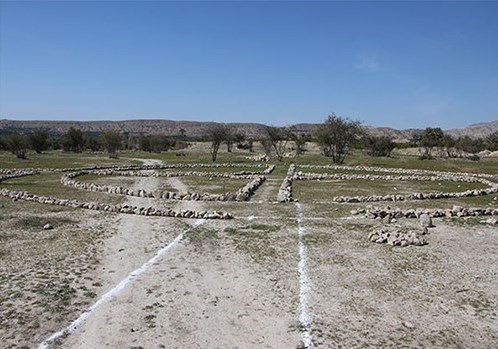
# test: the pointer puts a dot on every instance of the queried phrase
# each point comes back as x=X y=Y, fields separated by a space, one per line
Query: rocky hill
x=196 y=129
x=476 y=130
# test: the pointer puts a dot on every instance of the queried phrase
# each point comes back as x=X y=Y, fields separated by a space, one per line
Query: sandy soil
x=243 y=283
x=443 y=295
x=201 y=294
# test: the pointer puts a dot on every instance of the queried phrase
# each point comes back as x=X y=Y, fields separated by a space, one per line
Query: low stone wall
x=154 y=173
x=10 y=174
x=268 y=168
x=285 y=190
x=243 y=194
x=397 y=170
x=341 y=176
x=396 y=213
x=128 y=209
x=493 y=187
x=258 y=158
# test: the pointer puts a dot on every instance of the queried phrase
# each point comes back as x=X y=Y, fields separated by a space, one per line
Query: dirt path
x=268 y=191
x=200 y=293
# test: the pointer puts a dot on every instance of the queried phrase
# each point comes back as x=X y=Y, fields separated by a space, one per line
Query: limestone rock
x=425 y=220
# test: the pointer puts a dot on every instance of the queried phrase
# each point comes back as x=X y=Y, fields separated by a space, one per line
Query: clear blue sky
x=398 y=64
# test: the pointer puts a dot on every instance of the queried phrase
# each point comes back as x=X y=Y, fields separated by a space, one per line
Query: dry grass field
x=301 y=274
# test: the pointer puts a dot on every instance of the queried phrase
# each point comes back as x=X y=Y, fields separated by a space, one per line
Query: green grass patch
x=216 y=169
x=214 y=185
x=255 y=240
x=60 y=159
x=264 y=227
x=324 y=190
x=36 y=222
x=116 y=181
x=48 y=184
x=201 y=238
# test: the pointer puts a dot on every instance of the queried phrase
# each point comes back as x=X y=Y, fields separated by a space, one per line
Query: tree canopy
x=336 y=137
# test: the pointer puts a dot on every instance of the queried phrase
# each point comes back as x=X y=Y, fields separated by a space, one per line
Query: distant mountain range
x=197 y=129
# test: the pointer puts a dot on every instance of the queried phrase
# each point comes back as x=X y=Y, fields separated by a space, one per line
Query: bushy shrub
x=379 y=146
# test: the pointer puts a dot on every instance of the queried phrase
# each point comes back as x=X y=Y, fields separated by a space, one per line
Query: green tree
x=112 y=142
x=336 y=137
x=266 y=144
x=3 y=143
x=93 y=143
x=427 y=140
x=448 y=145
x=155 y=143
x=491 y=142
x=379 y=146
x=229 y=138
x=239 y=138
x=74 y=140
x=299 y=141
x=468 y=145
x=38 y=140
x=17 y=144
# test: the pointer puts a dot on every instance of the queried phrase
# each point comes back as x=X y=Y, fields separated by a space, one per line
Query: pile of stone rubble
x=398 y=238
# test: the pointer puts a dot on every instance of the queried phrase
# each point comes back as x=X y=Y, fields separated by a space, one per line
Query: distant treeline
x=75 y=140
x=336 y=136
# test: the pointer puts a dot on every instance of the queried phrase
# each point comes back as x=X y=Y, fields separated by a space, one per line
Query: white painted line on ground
x=250 y=218
x=107 y=296
x=352 y=218
x=304 y=285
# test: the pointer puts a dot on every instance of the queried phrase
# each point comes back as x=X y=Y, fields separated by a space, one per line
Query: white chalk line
x=250 y=218
x=107 y=296
x=304 y=285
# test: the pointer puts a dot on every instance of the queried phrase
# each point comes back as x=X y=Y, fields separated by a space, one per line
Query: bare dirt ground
x=201 y=294
x=239 y=283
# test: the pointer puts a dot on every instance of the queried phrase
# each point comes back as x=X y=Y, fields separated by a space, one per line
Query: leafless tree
x=277 y=138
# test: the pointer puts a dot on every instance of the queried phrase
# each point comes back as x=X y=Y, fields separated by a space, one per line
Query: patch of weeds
x=61 y=295
x=479 y=303
x=202 y=237
x=360 y=227
x=89 y=294
x=466 y=221
x=148 y=307
x=319 y=238
x=254 y=242
x=230 y=230
x=267 y=228
x=64 y=293
x=149 y=320
x=37 y=222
